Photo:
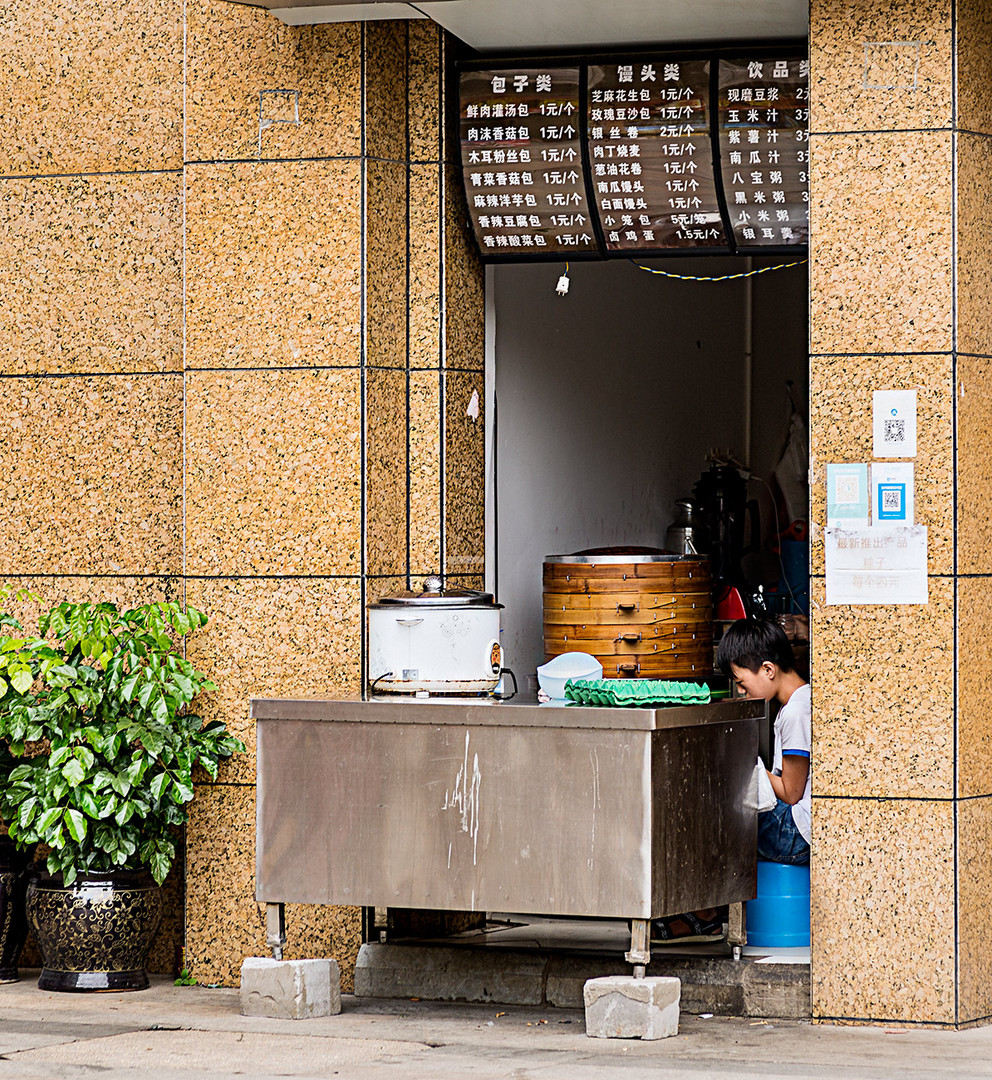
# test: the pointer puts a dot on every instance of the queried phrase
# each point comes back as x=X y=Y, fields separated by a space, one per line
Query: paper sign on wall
x=892 y=492
x=894 y=423
x=878 y=565
x=847 y=496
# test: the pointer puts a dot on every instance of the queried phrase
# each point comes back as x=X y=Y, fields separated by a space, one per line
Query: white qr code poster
x=894 y=423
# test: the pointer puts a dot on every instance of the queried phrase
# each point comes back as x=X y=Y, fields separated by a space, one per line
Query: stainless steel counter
x=472 y=804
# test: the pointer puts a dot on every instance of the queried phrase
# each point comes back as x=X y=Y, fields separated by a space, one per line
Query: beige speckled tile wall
x=464 y=321
x=386 y=464
x=893 y=193
x=92 y=474
x=386 y=90
x=974 y=217
x=841 y=390
x=425 y=50
x=235 y=52
x=974 y=706
x=464 y=473
x=224 y=923
x=974 y=60
x=273 y=472
x=974 y=464
x=882 y=910
x=273 y=637
x=871 y=704
x=273 y=267
x=425 y=266
x=386 y=264
x=425 y=472
x=877 y=65
x=974 y=827
x=91 y=274
x=95 y=87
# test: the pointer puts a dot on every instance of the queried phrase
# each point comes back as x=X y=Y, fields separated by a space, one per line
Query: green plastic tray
x=635 y=692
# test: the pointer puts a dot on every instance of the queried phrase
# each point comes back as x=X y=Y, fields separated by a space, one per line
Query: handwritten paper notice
x=877 y=565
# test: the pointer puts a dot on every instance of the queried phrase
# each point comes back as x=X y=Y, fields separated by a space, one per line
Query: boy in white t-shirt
x=757 y=655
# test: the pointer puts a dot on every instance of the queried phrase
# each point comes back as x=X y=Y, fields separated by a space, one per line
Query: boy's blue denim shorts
x=778 y=838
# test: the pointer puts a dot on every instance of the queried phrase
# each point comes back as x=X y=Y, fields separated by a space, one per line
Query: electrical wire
x=722 y=277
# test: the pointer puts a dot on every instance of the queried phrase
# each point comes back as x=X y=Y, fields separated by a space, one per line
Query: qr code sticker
x=848 y=490
x=891 y=500
x=895 y=431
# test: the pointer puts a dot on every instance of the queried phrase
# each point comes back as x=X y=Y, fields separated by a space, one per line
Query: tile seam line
x=901 y=798
x=885 y=131
x=97 y=172
x=879 y=352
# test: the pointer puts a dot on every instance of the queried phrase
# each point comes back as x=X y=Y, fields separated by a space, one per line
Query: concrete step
x=754 y=986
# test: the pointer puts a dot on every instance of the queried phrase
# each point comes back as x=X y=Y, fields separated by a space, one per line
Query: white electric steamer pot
x=438 y=641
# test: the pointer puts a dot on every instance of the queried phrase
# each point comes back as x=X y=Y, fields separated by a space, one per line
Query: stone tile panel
x=974 y=828
x=841 y=391
x=386 y=465
x=464 y=284
x=386 y=243
x=239 y=56
x=425 y=472
x=91 y=274
x=425 y=266
x=974 y=243
x=385 y=49
x=464 y=473
x=882 y=910
x=273 y=473
x=224 y=922
x=880 y=726
x=273 y=638
x=880 y=255
x=425 y=53
x=92 y=475
x=974 y=664
x=974 y=464
x=974 y=62
x=877 y=65
x=92 y=87
x=273 y=259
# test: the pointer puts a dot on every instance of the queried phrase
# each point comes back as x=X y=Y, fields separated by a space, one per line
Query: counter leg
x=640 y=946
x=736 y=928
x=275 y=928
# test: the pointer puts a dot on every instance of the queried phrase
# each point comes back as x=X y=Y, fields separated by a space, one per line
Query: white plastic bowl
x=553 y=675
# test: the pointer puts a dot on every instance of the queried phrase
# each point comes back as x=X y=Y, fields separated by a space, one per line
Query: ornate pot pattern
x=95 y=934
x=13 y=920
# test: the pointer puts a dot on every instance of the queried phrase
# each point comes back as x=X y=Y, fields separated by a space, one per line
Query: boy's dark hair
x=750 y=642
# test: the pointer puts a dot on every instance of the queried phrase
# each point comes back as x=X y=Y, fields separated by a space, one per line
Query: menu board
x=651 y=155
x=522 y=162
x=636 y=155
x=764 y=150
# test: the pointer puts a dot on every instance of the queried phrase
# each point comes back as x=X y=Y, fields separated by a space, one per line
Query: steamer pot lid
x=633 y=554
x=434 y=594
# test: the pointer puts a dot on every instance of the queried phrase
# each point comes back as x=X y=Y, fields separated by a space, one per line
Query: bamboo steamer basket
x=642 y=616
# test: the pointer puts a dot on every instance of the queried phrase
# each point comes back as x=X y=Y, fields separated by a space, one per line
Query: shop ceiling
x=502 y=25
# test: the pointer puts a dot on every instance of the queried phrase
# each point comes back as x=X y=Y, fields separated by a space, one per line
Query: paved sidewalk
x=188 y=1033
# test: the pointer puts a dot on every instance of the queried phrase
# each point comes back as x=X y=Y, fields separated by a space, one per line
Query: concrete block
x=290 y=989
x=622 y=1007
x=436 y=973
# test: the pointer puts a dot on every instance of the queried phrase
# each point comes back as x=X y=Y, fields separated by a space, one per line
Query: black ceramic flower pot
x=94 y=934
x=13 y=921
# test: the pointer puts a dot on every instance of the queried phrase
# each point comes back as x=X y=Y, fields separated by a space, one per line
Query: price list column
x=764 y=150
x=651 y=156
x=522 y=162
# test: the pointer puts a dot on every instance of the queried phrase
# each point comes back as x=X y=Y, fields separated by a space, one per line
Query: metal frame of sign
x=758 y=52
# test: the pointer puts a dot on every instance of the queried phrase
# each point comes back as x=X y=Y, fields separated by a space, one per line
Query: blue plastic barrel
x=779 y=917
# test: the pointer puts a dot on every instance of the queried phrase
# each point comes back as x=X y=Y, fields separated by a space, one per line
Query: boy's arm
x=789 y=787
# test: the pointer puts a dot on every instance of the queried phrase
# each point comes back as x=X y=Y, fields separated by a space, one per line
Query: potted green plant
x=14 y=862
x=97 y=719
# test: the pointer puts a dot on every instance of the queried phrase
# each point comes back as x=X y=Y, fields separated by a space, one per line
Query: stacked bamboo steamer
x=643 y=616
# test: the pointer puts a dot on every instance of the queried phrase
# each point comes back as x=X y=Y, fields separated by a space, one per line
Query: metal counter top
x=488 y=712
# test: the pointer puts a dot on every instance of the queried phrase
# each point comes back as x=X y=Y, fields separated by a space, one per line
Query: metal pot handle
x=409 y=622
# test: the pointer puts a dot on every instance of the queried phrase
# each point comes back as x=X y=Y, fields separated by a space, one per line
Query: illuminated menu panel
x=522 y=162
x=764 y=150
x=651 y=155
